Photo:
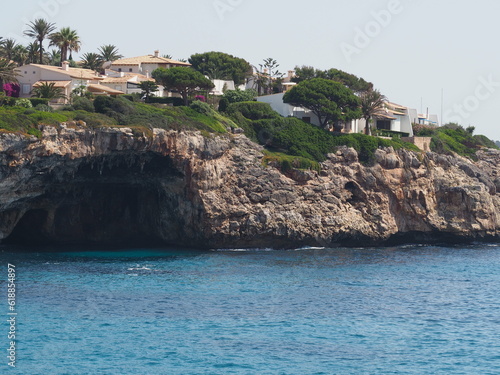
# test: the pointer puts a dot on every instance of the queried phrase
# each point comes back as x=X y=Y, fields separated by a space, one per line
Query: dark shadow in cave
x=121 y=199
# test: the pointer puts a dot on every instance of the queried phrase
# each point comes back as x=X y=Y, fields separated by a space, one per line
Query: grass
x=286 y=162
x=113 y=112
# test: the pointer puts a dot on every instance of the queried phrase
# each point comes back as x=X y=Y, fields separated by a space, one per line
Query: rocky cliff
x=78 y=185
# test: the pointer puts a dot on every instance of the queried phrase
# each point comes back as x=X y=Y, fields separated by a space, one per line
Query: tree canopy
x=330 y=101
x=351 y=81
x=372 y=103
x=39 y=30
x=67 y=40
x=182 y=79
x=219 y=65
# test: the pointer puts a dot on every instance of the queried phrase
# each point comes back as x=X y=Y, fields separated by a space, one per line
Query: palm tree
x=8 y=47
x=92 y=61
x=109 y=52
x=66 y=40
x=8 y=73
x=55 y=57
x=372 y=103
x=48 y=91
x=21 y=55
x=33 y=53
x=40 y=29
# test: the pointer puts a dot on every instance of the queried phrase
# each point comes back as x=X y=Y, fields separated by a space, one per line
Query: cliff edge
x=108 y=185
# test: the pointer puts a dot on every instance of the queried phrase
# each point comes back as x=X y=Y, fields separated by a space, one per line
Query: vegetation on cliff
x=107 y=111
x=453 y=138
x=295 y=137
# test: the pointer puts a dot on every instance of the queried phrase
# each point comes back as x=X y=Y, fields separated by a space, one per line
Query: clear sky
x=412 y=50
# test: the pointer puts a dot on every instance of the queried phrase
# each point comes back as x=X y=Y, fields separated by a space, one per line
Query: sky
x=430 y=55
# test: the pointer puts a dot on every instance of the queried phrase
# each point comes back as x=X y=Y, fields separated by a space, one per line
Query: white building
x=145 y=64
x=64 y=77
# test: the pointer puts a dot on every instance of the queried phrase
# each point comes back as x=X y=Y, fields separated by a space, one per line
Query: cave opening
x=115 y=201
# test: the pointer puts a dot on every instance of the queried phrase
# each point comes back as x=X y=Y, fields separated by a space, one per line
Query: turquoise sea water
x=406 y=310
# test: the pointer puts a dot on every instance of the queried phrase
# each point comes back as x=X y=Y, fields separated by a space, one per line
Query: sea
x=400 y=310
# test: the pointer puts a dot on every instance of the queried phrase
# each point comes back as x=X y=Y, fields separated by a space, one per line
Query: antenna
x=442 y=101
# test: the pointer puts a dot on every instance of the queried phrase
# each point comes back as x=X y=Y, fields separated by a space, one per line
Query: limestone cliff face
x=80 y=185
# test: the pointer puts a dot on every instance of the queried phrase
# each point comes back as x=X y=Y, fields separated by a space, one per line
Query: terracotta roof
x=61 y=84
x=106 y=89
x=148 y=59
x=127 y=78
x=396 y=106
x=77 y=73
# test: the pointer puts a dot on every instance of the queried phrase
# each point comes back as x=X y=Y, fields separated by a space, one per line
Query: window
x=119 y=88
x=34 y=72
x=306 y=119
x=384 y=124
x=26 y=89
x=130 y=69
x=119 y=70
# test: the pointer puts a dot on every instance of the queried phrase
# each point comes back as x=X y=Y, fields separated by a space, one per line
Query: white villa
x=33 y=75
x=127 y=82
x=394 y=117
x=145 y=65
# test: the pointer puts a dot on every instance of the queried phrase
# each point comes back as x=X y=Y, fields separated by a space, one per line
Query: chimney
x=157 y=53
x=291 y=73
x=65 y=66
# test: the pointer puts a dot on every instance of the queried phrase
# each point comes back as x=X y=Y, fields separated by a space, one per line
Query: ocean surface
x=403 y=310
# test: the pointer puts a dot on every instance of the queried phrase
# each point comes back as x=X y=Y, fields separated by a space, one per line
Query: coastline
x=180 y=188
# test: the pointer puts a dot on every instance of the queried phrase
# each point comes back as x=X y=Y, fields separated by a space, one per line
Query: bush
x=253 y=110
x=93 y=120
x=177 y=102
x=24 y=103
x=129 y=97
x=201 y=107
x=236 y=96
x=44 y=108
x=37 y=101
x=83 y=104
x=223 y=104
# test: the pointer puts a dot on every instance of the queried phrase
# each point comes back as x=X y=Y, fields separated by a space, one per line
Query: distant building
x=145 y=64
x=127 y=82
x=64 y=77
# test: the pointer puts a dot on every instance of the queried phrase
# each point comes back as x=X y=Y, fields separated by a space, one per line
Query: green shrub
x=129 y=97
x=223 y=104
x=177 y=102
x=485 y=141
x=93 y=120
x=37 y=101
x=44 y=108
x=253 y=110
x=236 y=96
x=24 y=103
x=83 y=104
x=201 y=107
